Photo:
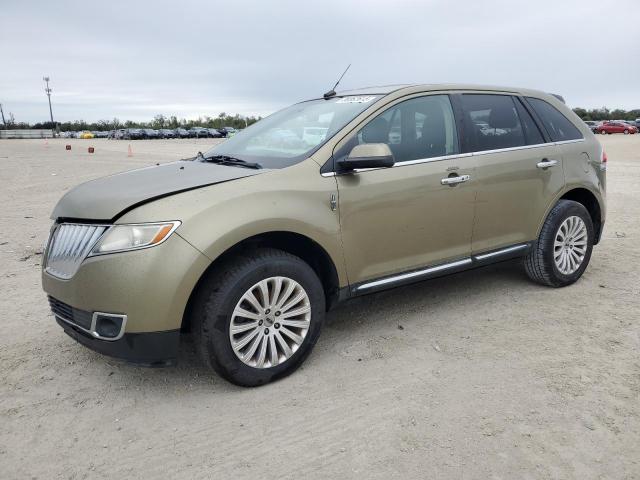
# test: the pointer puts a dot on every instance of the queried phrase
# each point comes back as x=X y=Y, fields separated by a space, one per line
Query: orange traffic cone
x=129 y=151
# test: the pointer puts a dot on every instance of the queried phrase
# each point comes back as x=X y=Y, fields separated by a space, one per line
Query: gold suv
x=248 y=245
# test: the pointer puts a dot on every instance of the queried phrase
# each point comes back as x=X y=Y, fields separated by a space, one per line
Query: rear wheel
x=563 y=249
x=257 y=317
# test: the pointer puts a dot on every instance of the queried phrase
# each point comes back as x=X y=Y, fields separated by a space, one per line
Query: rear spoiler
x=559 y=97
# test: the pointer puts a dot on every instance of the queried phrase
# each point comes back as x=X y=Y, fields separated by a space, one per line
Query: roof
x=386 y=89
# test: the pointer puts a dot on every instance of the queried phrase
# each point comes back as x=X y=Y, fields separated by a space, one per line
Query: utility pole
x=4 y=122
x=48 y=92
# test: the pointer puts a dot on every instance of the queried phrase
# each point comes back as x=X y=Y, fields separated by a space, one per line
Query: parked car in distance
x=182 y=133
x=166 y=133
x=119 y=134
x=248 y=245
x=610 y=127
x=86 y=134
x=213 y=133
x=592 y=125
x=150 y=133
x=199 y=132
x=227 y=131
x=134 y=134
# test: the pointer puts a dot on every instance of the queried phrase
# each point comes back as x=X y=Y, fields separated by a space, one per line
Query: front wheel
x=257 y=317
x=626 y=132
x=563 y=249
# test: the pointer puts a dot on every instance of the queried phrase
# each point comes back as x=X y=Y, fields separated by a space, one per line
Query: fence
x=43 y=133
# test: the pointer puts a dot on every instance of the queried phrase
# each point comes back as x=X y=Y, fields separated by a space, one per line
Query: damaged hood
x=109 y=197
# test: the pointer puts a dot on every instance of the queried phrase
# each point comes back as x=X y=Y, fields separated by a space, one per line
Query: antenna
x=332 y=92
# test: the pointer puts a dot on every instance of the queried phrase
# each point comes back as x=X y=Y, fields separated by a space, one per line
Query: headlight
x=120 y=238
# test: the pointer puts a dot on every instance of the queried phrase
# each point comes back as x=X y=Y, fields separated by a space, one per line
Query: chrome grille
x=68 y=247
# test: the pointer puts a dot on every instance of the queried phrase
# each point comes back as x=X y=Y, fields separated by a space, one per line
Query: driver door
x=407 y=217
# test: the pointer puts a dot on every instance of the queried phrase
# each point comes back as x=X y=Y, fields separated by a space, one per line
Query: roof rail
x=559 y=97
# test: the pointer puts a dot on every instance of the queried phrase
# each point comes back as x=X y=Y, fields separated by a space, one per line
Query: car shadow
x=362 y=313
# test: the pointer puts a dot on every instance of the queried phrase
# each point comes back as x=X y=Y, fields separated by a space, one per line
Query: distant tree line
x=605 y=114
x=159 y=121
x=238 y=121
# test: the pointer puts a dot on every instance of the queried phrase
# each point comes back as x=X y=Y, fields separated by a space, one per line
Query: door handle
x=546 y=163
x=455 y=180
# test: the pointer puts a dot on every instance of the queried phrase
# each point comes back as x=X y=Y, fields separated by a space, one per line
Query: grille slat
x=70 y=314
x=69 y=246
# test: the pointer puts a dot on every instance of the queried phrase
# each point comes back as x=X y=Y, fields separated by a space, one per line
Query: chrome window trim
x=92 y=330
x=414 y=274
x=511 y=149
x=575 y=140
x=403 y=164
x=457 y=155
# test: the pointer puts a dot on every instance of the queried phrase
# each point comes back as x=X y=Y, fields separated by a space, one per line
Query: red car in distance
x=616 y=127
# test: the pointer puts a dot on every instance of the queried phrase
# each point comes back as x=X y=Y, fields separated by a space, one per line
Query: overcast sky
x=135 y=59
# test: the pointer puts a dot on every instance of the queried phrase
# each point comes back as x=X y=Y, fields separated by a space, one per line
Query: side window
x=531 y=131
x=491 y=122
x=422 y=127
x=559 y=127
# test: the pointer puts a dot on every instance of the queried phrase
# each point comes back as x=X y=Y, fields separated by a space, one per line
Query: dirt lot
x=479 y=375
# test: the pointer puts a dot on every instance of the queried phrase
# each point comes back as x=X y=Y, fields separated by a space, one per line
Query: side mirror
x=367 y=155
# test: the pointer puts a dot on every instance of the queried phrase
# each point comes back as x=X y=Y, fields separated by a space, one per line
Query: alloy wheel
x=270 y=322
x=570 y=245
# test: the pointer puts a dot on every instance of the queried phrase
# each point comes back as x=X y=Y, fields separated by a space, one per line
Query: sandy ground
x=480 y=375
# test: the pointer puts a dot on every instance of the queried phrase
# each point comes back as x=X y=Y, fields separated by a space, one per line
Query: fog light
x=108 y=326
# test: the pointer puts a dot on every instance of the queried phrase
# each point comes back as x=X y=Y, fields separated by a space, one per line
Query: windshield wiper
x=227 y=160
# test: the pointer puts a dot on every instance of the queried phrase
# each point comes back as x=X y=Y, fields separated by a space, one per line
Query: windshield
x=291 y=135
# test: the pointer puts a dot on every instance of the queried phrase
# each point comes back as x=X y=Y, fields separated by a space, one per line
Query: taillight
x=603 y=158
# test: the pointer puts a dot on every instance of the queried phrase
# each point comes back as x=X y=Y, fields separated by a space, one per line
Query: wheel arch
x=294 y=243
x=590 y=201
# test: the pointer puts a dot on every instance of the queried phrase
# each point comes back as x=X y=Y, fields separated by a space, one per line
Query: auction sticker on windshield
x=359 y=99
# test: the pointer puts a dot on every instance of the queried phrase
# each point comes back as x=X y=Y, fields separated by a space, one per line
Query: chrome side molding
x=502 y=252
x=462 y=264
x=416 y=274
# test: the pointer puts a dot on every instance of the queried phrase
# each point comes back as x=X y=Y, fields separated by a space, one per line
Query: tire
x=626 y=132
x=541 y=264
x=223 y=292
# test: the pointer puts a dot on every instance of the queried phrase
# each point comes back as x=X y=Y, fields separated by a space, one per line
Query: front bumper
x=150 y=286
x=153 y=349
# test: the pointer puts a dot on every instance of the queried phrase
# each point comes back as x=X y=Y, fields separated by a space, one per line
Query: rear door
x=408 y=216
x=518 y=170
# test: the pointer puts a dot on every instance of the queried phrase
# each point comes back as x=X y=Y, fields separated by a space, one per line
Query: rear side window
x=531 y=131
x=559 y=127
x=491 y=122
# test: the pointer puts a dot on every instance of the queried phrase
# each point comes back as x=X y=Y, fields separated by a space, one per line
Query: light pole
x=48 y=92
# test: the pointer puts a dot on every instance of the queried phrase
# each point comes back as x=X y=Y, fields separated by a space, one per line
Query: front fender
x=215 y=218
